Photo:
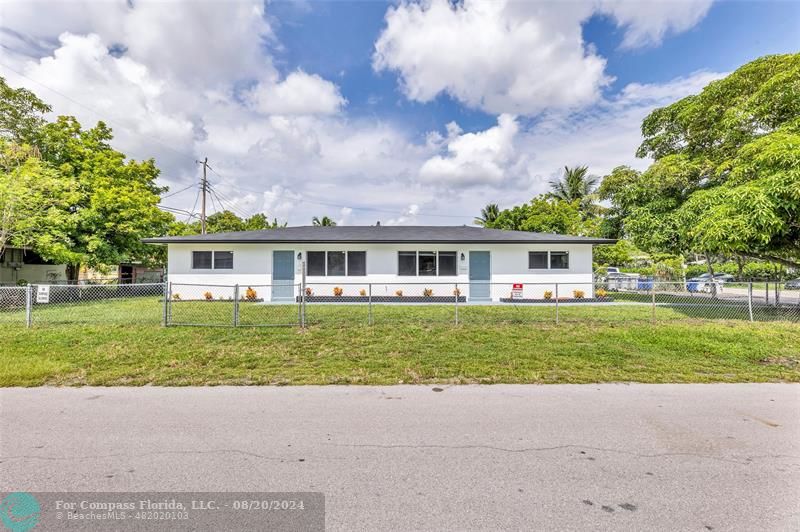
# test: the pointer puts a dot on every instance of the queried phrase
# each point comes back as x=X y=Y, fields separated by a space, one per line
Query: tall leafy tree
x=544 y=214
x=726 y=176
x=575 y=185
x=21 y=114
x=226 y=221
x=323 y=222
x=488 y=215
x=116 y=204
x=34 y=200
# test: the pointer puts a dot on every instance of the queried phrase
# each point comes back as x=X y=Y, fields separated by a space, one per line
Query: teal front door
x=283 y=275
x=480 y=274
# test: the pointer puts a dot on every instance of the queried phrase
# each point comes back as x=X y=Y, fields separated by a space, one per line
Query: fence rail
x=367 y=303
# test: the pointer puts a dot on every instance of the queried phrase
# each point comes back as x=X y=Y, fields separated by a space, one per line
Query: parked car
x=794 y=284
x=706 y=283
x=718 y=277
x=618 y=280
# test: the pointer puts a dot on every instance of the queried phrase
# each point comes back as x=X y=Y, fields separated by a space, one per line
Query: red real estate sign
x=516 y=291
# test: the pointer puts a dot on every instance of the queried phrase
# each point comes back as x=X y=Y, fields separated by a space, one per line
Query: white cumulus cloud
x=483 y=157
x=503 y=56
x=299 y=93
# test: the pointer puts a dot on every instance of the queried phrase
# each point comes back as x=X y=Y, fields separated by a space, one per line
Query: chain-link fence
x=232 y=306
x=415 y=303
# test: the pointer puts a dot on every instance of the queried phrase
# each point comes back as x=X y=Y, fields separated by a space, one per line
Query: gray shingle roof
x=382 y=234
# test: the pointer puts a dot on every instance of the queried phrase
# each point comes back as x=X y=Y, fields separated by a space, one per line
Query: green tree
x=259 y=222
x=323 y=222
x=116 y=204
x=224 y=222
x=488 y=215
x=726 y=175
x=622 y=253
x=544 y=214
x=575 y=185
x=21 y=114
x=34 y=201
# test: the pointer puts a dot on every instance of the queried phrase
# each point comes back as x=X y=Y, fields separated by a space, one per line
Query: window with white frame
x=548 y=260
x=426 y=263
x=212 y=260
x=336 y=263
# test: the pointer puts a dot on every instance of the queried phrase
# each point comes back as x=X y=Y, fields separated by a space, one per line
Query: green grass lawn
x=120 y=342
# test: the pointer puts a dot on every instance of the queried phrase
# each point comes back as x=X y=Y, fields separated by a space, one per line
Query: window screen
x=356 y=263
x=336 y=263
x=427 y=263
x=223 y=260
x=316 y=263
x=537 y=260
x=559 y=260
x=201 y=260
x=406 y=263
x=447 y=263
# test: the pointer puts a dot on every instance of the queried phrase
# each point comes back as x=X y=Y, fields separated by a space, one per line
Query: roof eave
x=594 y=241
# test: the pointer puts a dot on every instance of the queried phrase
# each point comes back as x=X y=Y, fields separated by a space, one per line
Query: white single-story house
x=484 y=262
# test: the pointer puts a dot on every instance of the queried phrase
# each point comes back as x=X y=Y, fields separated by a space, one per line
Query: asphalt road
x=621 y=457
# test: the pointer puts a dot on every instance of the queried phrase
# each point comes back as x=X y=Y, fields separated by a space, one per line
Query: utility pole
x=204 y=189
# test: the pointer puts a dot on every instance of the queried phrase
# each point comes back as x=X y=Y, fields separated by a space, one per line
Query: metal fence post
x=303 y=295
x=166 y=305
x=236 y=305
x=750 y=299
x=653 y=293
x=556 y=303
x=456 y=293
x=777 y=293
x=28 y=305
x=369 y=305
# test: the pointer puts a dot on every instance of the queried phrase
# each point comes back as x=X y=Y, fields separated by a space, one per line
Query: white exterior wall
x=252 y=266
x=14 y=269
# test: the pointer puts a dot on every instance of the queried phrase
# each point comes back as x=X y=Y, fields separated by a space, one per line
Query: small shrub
x=250 y=294
x=399 y=293
x=22 y=282
x=548 y=294
x=601 y=292
x=309 y=291
x=578 y=294
x=338 y=291
x=176 y=297
x=209 y=296
x=362 y=292
x=456 y=292
x=427 y=292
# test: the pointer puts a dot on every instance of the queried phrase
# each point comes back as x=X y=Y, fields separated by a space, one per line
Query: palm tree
x=488 y=214
x=323 y=222
x=575 y=185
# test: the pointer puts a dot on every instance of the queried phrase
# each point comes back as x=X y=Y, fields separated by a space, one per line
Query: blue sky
x=406 y=112
x=335 y=39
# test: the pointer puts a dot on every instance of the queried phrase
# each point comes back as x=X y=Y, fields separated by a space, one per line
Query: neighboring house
x=18 y=265
x=390 y=257
x=134 y=273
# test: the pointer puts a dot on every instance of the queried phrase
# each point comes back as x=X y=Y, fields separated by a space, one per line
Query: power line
x=204 y=189
x=305 y=199
x=300 y=198
x=103 y=116
x=196 y=198
x=231 y=204
x=178 y=191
